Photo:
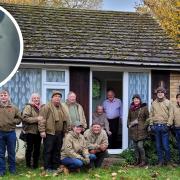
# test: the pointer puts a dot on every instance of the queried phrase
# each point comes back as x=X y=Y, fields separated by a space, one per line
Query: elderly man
x=10 y=116
x=97 y=142
x=75 y=110
x=177 y=122
x=161 y=118
x=51 y=128
x=100 y=116
x=113 y=109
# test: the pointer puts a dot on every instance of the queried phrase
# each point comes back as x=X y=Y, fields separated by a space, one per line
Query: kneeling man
x=97 y=142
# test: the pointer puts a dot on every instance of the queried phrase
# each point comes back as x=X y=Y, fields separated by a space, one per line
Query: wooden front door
x=79 y=83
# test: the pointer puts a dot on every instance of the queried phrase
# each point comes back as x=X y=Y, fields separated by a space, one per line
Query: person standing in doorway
x=113 y=109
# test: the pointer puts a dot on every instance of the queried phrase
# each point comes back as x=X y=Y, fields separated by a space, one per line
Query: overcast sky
x=119 y=5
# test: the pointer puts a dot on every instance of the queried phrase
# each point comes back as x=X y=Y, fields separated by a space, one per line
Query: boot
x=137 y=162
x=142 y=164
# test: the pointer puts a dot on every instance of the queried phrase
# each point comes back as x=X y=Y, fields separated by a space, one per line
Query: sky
x=119 y=5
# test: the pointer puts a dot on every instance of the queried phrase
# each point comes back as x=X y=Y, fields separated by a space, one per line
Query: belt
x=160 y=124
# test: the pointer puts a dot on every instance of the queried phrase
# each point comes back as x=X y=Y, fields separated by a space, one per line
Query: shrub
x=150 y=149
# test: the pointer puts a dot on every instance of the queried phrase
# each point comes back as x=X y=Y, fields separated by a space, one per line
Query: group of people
x=63 y=128
x=66 y=139
x=163 y=116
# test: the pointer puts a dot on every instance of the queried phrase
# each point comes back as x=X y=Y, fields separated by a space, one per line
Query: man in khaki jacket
x=97 y=142
x=10 y=116
x=176 y=122
x=75 y=153
x=51 y=128
x=74 y=110
x=161 y=118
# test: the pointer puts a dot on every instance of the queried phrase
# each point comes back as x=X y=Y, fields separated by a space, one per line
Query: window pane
x=22 y=85
x=55 y=76
x=138 y=84
x=49 y=93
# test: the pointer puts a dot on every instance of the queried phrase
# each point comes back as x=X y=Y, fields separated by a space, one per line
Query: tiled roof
x=91 y=36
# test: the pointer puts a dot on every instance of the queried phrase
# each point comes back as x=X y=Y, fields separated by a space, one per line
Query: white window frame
x=54 y=85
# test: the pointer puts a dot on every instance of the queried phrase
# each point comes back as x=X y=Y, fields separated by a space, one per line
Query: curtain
x=22 y=85
x=139 y=84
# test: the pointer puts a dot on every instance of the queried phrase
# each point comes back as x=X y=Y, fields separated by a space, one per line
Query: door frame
x=125 y=78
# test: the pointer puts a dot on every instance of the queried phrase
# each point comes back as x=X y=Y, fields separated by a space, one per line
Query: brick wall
x=174 y=85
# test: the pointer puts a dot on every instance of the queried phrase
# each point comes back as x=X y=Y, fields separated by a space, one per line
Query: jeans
x=162 y=141
x=177 y=131
x=74 y=163
x=7 y=141
x=33 y=149
x=52 y=149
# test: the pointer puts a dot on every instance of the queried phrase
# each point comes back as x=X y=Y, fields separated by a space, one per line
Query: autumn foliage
x=81 y=4
x=167 y=14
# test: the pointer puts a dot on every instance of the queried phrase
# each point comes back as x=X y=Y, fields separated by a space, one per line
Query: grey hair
x=71 y=92
x=33 y=94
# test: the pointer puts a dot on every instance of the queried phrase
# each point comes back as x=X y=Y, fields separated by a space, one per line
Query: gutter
x=90 y=62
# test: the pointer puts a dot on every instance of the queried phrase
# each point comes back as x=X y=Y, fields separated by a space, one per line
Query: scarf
x=7 y=104
x=134 y=107
x=58 y=114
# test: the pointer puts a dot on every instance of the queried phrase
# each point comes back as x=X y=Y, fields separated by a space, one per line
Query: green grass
x=122 y=172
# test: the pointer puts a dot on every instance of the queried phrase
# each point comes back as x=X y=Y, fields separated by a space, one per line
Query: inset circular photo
x=11 y=46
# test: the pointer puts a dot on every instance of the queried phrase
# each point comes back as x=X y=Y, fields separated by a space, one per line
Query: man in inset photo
x=9 y=46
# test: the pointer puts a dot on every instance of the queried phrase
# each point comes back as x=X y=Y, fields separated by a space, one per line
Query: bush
x=150 y=149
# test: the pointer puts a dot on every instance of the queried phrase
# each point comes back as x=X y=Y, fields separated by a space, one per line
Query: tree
x=166 y=12
x=79 y=4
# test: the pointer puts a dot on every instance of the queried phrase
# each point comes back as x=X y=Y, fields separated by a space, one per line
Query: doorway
x=101 y=82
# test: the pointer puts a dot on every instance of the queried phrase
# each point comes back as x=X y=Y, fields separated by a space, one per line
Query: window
x=28 y=81
x=22 y=85
x=54 y=80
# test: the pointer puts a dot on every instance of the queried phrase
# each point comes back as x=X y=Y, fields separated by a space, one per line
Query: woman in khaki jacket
x=30 y=126
x=138 y=113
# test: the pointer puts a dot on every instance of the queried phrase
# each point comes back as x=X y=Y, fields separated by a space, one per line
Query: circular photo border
x=21 y=47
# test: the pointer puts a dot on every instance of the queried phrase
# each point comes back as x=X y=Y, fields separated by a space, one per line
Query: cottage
x=89 y=51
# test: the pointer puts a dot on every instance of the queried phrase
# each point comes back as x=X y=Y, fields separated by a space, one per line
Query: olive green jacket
x=102 y=119
x=139 y=131
x=54 y=119
x=176 y=120
x=161 y=112
x=74 y=146
x=81 y=114
x=10 y=116
x=95 y=140
x=30 y=121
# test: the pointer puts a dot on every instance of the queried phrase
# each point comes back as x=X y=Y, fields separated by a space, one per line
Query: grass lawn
x=110 y=173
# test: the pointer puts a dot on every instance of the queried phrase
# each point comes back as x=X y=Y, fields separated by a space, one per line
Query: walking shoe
x=160 y=164
x=12 y=171
x=171 y=164
x=78 y=170
x=2 y=174
x=65 y=170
